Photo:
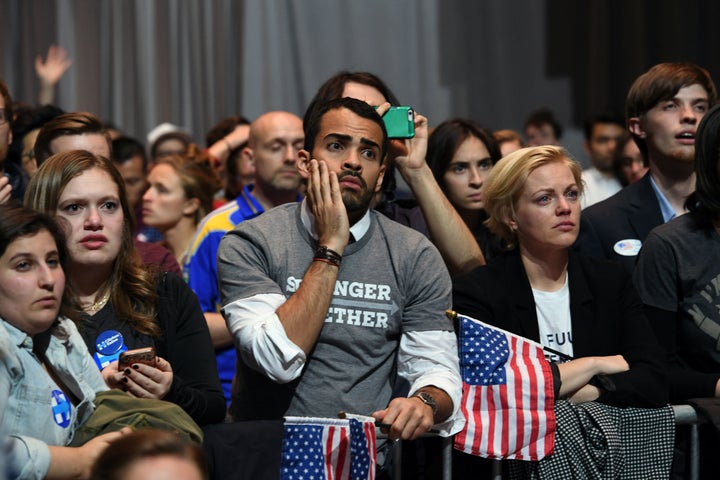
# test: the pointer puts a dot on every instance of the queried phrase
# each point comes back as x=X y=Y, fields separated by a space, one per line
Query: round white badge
x=628 y=248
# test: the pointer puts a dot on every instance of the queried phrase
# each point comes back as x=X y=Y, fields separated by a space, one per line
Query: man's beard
x=356 y=201
x=604 y=164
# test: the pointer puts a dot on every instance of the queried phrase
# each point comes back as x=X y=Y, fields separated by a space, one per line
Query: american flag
x=328 y=449
x=507 y=396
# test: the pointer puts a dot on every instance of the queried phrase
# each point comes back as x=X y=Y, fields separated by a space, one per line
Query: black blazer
x=606 y=315
x=629 y=214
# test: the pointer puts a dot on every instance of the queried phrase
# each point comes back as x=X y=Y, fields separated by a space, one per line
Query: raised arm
x=222 y=148
x=50 y=71
x=448 y=231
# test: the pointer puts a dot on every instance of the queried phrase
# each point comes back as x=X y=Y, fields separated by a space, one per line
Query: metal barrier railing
x=447 y=446
x=684 y=415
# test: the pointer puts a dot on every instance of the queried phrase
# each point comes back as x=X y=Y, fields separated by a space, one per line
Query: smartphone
x=400 y=122
x=145 y=355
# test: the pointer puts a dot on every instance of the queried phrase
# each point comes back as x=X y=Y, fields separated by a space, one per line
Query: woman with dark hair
x=461 y=155
x=47 y=380
x=26 y=126
x=629 y=165
x=677 y=276
x=119 y=303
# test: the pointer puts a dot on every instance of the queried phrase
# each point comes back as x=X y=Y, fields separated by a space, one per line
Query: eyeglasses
x=3 y=116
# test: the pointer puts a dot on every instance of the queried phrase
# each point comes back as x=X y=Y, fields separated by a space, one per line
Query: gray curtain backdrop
x=137 y=63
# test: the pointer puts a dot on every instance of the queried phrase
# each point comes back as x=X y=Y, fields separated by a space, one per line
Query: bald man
x=274 y=141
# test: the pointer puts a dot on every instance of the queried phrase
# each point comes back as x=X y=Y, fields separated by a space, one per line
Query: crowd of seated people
x=275 y=272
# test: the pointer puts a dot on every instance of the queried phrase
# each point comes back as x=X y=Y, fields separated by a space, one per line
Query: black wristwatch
x=427 y=399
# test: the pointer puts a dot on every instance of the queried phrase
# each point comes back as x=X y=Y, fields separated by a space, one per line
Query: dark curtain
x=138 y=63
x=603 y=45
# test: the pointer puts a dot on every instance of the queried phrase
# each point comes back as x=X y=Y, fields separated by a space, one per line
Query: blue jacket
x=34 y=410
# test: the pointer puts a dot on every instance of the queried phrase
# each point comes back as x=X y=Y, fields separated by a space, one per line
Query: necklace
x=97 y=306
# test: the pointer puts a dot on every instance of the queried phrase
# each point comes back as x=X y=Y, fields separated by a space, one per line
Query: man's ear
x=381 y=176
x=303 y=163
x=636 y=128
x=248 y=154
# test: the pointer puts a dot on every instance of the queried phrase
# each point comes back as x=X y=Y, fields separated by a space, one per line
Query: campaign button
x=61 y=408
x=103 y=361
x=629 y=247
x=109 y=342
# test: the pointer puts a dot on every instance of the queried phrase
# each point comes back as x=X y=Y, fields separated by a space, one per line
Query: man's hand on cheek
x=331 y=220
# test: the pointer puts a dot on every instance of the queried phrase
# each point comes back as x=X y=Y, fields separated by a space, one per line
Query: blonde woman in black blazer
x=533 y=201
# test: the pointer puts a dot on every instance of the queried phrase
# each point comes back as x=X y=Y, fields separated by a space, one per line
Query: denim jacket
x=34 y=411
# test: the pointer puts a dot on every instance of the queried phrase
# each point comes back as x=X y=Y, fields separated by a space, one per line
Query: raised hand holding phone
x=399 y=122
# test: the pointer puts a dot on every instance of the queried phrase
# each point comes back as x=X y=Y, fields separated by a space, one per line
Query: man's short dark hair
x=545 y=117
x=316 y=112
x=125 y=148
x=74 y=123
x=602 y=118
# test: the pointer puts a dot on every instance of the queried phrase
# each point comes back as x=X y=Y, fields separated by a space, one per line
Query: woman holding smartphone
x=47 y=380
x=118 y=303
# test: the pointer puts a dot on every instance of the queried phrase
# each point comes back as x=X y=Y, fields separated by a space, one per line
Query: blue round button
x=109 y=342
x=61 y=408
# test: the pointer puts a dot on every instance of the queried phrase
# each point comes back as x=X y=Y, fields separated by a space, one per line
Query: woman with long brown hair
x=118 y=302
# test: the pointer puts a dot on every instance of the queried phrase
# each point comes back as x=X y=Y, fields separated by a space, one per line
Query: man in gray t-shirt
x=323 y=324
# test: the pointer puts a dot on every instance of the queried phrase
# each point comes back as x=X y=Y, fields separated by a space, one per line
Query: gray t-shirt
x=678 y=270
x=391 y=281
